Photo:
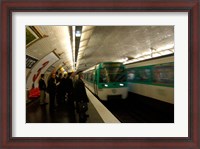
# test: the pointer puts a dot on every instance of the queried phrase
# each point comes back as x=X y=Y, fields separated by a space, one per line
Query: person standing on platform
x=70 y=99
x=58 y=89
x=42 y=87
x=63 y=88
x=52 y=91
x=69 y=87
x=81 y=99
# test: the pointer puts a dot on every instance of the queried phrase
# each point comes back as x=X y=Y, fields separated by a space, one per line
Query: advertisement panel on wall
x=40 y=68
x=30 y=61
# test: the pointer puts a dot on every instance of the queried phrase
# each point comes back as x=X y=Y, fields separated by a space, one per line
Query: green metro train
x=152 y=78
x=107 y=80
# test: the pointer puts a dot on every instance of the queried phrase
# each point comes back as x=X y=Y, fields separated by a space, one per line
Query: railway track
x=125 y=111
x=131 y=110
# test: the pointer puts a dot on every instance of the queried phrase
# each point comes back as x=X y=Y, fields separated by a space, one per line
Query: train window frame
x=150 y=81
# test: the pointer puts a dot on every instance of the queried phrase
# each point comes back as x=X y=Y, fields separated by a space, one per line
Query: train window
x=131 y=75
x=140 y=74
x=93 y=75
x=90 y=76
x=112 y=75
x=162 y=74
x=145 y=74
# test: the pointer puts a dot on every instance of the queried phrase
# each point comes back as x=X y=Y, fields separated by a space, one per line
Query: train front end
x=112 y=81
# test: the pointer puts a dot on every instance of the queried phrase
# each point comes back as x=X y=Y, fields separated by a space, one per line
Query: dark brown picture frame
x=9 y=6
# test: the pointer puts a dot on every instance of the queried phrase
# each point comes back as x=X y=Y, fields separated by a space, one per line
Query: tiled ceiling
x=102 y=43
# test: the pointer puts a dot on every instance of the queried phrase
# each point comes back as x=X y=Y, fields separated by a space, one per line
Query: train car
x=107 y=80
x=153 y=78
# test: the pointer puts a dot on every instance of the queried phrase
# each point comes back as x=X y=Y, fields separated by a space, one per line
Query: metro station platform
x=98 y=113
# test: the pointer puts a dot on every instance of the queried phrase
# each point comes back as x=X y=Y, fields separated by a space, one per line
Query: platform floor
x=36 y=113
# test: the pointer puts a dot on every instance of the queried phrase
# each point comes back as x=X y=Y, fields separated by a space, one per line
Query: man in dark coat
x=79 y=89
x=69 y=90
x=63 y=89
x=59 y=90
x=81 y=99
x=42 y=87
x=69 y=85
x=52 y=91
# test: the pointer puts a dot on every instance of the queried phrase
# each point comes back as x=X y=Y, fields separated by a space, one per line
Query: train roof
x=104 y=64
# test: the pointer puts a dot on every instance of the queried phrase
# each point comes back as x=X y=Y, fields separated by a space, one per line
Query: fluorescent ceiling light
x=78 y=33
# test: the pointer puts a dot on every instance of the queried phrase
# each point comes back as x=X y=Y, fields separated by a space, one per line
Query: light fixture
x=86 y=33
x=78 y=33
x=121 y=84
x=73 y=45
x=154 y=53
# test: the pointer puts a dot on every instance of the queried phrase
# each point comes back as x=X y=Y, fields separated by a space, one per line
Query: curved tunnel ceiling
x=99 y=44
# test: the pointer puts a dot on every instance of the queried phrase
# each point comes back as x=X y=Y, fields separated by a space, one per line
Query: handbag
x=82 y=106
x=34 y=93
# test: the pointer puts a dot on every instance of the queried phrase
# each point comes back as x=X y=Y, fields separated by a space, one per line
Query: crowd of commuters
x=64 y=90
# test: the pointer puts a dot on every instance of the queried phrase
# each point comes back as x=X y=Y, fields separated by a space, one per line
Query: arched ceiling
x=100 y=43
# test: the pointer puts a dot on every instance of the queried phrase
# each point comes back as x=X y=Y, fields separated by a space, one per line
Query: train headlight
x=121 y=84
x=106 y=85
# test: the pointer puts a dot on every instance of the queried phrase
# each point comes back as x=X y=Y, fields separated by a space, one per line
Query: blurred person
x=52 y=91
x=42 y=87
x=81 y=99
x=69 y=84
x=69 y=91
x=63 y=90
x=58 y=89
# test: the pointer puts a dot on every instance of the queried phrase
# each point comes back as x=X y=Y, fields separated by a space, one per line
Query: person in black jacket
x=69 y=85
x=59 y=89
x=69 y=91
x=81 y=99
x=52 y=91
x=63 y=89
x=42 y=87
